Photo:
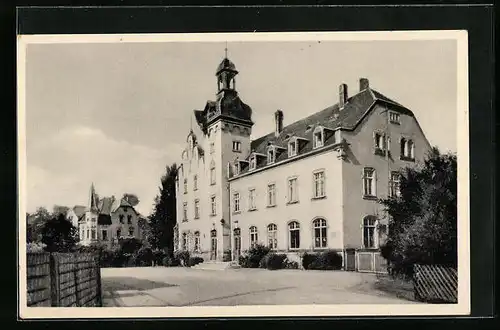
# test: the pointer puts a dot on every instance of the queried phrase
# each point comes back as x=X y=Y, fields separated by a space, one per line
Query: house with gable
x=108 y=219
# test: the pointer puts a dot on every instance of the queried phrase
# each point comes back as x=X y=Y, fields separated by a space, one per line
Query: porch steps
x=216 y=265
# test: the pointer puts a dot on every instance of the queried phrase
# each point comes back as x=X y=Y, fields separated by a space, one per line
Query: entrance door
x=237 y=244
x=213 y=245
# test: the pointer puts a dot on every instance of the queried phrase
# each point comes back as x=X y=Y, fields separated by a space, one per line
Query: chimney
x=363 y=84
x=278 y=119
x=342 y=95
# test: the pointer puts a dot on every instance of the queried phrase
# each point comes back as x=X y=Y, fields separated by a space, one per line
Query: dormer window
x=271 y=155
x=253 y=163
x=237 y=168
x=318 y=137
x=292 y=148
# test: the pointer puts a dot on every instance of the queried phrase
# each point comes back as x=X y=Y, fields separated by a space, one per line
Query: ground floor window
x=320 y=238
x=369 y=228
x=184 y=241
x=104 y=234
x=272 y=236
x=294 y=232
x=253 y=236
x=197 y=241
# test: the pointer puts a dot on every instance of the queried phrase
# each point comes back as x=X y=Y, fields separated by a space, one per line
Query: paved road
x=179 y=286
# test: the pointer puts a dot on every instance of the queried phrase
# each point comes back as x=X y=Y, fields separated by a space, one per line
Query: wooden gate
x=350 y=260
x=435 y=283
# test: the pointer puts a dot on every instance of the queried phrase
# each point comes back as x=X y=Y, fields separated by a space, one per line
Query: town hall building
x=311 y=185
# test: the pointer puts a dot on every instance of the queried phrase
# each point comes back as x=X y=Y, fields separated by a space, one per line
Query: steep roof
x=356 y=108
x=79 y=210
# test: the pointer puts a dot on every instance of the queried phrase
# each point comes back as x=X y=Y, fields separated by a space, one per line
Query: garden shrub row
x=261 y=256
x=139 y=256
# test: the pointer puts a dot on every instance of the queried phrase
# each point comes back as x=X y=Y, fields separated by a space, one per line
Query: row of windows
x=92 y=233
x=184 y=242
x=320 y=237
x=319 y=191
x=383 y=143
x=370 y=183
x=122 y=217
x=319 y=231
x=292 y=192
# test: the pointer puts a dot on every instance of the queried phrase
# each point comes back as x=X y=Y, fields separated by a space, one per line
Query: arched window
x=212 y=172
x=320 y=238
x=403 y=147
x=272 y=236
x=253 y=236
x=369 y=231
x=294 y=235
x=411 y=149
x=197 y=241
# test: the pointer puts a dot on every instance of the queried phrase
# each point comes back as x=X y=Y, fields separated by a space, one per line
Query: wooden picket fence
x=435 y=283
x=38 y=280
x=63 y=280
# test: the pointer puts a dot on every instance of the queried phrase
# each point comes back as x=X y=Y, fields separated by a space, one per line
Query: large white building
x=307 y=186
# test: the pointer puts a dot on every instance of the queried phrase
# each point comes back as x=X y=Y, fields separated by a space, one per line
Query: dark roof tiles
x=331 y=118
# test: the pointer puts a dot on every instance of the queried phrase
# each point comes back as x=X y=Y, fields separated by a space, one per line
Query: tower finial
x=225 y=51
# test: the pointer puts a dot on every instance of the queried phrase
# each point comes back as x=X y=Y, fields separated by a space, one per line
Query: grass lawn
x=397 y=287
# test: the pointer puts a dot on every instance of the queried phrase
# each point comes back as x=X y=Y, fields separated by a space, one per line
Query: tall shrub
x=254 y=255
x=423 y=218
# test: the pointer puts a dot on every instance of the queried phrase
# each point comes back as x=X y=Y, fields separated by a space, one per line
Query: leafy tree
x=59 y=235
x=35 y=223
x=59 y=209
x=423 y=218
x=129 y=245
x=163 y=218
x=131 y=198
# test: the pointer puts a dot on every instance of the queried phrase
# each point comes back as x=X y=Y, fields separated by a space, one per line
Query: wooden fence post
x=99 y=284
x=54 y=279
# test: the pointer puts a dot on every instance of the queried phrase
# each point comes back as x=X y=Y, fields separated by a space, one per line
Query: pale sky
x=116 y=114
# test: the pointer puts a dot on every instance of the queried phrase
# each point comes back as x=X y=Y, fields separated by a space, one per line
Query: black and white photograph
x=243 y=174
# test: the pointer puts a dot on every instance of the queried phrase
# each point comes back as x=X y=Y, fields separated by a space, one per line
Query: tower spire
x=225 y=51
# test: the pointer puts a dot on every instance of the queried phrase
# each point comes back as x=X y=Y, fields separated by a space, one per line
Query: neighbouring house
x=108 y=219
x=75 y=214
x=311 y=185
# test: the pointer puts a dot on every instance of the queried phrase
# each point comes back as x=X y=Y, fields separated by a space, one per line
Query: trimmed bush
x=193 y=261
x=327 y=260
x=158 y=256
x=144 y=256
x=254 y=255
x=243 y=261
x=273 y=261
x=183 y=257
x=291 y=264
x=170 y=262
x=307 y=259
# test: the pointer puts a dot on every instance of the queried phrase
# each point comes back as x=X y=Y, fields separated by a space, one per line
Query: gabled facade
x=308 y=186
x=107 y=220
